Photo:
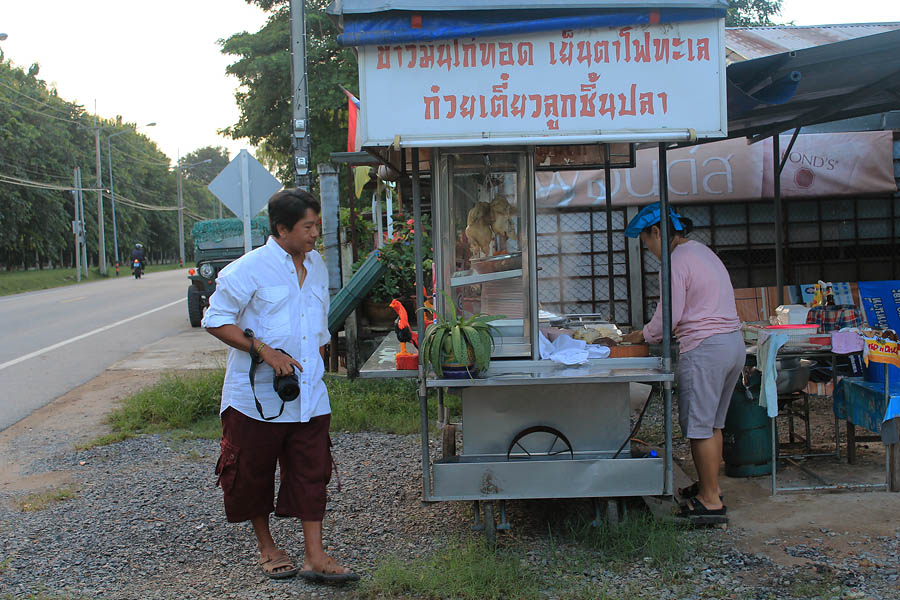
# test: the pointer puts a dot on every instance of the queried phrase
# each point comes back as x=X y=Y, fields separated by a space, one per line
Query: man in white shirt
x=271 y=307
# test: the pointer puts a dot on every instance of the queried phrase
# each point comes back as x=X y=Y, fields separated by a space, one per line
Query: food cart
x=480 y=96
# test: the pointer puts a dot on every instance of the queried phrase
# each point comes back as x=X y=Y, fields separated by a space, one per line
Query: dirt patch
x=76 y=417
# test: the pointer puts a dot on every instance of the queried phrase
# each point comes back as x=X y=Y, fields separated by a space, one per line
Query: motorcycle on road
x=137 y=269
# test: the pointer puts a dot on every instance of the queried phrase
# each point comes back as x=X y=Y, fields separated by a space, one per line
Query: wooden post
x=893 y=451
x=351 y=326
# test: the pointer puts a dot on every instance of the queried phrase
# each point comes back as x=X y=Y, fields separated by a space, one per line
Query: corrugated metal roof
x=744 y=43
x=361 y=7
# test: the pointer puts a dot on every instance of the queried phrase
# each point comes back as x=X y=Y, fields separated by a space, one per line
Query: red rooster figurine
x=405 y=360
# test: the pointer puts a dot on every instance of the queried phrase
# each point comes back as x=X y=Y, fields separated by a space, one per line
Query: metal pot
x=792 y=375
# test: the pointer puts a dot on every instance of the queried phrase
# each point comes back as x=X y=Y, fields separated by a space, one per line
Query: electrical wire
x=42 y=103
x=8 y=101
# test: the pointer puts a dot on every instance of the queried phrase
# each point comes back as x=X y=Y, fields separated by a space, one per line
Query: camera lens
x=287 y=387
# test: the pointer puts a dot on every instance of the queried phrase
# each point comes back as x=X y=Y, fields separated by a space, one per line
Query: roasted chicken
x=500 y=222
x=478 y=229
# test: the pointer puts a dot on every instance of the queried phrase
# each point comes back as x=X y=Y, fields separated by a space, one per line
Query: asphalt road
x=52 y=341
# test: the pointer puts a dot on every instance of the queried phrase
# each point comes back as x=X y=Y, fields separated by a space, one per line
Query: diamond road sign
x=244 y=186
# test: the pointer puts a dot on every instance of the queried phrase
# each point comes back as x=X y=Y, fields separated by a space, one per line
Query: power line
x=47 y=103
x=8 y=101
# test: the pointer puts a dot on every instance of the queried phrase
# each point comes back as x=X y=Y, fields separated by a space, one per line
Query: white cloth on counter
x=766 y=353
x=566 y=350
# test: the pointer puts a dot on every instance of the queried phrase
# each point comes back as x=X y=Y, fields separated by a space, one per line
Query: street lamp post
x=112 y=191
x=181 y=169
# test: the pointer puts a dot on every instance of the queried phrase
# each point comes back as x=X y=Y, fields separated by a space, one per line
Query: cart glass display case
x=482 y=244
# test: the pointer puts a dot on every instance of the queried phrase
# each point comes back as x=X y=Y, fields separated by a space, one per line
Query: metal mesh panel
x=573 y=260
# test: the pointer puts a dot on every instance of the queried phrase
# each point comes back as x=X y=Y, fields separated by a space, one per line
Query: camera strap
x=255 y=360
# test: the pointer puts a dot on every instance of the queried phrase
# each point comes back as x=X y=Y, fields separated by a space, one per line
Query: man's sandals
x=695 y=513
x=692 y=491
x=279 y=566
x=328 y=575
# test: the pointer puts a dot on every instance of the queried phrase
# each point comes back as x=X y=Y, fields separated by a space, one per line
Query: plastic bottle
x=817 y=296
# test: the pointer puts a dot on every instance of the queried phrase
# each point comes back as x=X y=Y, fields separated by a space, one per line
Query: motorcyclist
x=138 y=254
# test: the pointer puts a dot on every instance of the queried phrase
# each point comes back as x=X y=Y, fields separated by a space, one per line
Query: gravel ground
x=147 y=522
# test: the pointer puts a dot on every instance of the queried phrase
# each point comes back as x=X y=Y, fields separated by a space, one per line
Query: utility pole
x=76 y=227
x=300 y=103
x=180 y=217
x=101 y=234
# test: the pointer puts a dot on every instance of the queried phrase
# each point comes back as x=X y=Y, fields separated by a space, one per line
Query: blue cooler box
x=874 y=373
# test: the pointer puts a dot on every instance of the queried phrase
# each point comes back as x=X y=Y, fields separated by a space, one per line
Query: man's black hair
x=686 y=224
x=289 y=206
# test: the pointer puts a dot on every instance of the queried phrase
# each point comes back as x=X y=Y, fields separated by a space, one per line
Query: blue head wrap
x=648 y=216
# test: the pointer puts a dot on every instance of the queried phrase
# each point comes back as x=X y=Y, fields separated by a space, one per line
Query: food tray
x=495 y=264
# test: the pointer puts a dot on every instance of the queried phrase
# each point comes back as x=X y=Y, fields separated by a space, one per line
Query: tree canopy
x=263 y=67
x=752 y=13
x=42 y=139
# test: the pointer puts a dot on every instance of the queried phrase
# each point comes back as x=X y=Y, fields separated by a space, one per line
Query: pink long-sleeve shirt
x=702 y=298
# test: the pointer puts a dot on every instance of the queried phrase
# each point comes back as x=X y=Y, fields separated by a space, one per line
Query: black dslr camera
x=286 y=386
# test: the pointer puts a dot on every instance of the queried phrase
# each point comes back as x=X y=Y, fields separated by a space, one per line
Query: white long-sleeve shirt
x=260 y=291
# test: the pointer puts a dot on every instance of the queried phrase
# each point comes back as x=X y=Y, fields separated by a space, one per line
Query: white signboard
x=641 y=83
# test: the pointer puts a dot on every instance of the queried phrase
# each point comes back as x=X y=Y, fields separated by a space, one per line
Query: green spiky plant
x=459 y=340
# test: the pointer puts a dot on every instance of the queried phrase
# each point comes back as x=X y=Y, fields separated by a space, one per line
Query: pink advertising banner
x=819 y=165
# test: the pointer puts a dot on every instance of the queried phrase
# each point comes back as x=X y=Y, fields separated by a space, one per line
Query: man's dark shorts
x=246 y=467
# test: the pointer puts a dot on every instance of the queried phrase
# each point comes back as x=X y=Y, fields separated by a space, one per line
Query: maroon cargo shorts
x=246 y=467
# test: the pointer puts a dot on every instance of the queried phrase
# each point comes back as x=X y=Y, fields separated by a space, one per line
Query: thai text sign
x=636 y=82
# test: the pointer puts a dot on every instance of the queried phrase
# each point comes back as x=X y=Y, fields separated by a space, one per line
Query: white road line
x=84 y=335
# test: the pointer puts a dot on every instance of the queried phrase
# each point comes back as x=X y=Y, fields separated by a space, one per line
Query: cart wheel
x=490 y=524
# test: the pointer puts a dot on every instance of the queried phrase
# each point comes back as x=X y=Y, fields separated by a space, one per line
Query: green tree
x=752 y=13
x=263 y=67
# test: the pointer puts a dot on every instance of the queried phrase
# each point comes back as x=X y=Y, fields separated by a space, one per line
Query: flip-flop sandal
x=269 y=566
x=692 y=491
x=696 y=513
x=335 y=578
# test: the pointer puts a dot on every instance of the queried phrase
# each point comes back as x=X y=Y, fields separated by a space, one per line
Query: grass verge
x=187 y=405
x=465 y=570
x=44 y=500
x=17 y=282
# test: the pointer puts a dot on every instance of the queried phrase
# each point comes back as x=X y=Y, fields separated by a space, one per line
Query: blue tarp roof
x=370 y=22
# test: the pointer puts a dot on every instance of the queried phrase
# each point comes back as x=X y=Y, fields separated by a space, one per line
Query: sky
x=146 y=61
x=159 y=61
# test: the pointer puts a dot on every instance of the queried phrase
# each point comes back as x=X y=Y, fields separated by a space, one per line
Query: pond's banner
x=820 y=165
x=572 y=86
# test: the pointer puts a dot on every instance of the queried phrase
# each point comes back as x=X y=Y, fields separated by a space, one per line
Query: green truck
x=217 y=242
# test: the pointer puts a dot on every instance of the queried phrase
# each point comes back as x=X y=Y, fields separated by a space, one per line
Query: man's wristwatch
x=255 y=349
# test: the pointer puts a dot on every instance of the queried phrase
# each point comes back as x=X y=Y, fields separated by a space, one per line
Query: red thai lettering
x=433 y=104
x=552 y=53
x=661 y=48
x=384 y=57
x=568 y=34
x=625 y=33
x=500 y=87
x=506 y=54
x=488 y=54
x=526 y=53
x=607 y=105
x=676 y=55
x=499 y=105
x=568 y=104
x=584 y=53
x=553 y=124
x=690 y=49
x=551 y=105
x=468 y=55
x=703 y=49
x=664 y=98
x=483 y=106
x=517 y=107
x=601 y=52
x=455 y=53
x=467 y=107
x=536 y=98
x=399 y=51
x=566 y=51
x=411 y=48
x=624 y=103
x=427 y=59
x=445 y=56
x=451 y=112
x=588 y=108
x=646 y=103
x=642 y=51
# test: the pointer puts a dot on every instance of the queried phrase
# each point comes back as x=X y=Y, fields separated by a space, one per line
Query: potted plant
x=398 y=253
x=458 y=346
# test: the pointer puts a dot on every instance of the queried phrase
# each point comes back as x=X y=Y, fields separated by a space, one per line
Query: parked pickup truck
x=217 y=242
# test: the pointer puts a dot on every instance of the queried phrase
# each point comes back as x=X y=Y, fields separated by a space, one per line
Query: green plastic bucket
x=747 y=437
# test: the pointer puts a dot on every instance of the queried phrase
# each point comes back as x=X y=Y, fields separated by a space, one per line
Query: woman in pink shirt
x=705 y=321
